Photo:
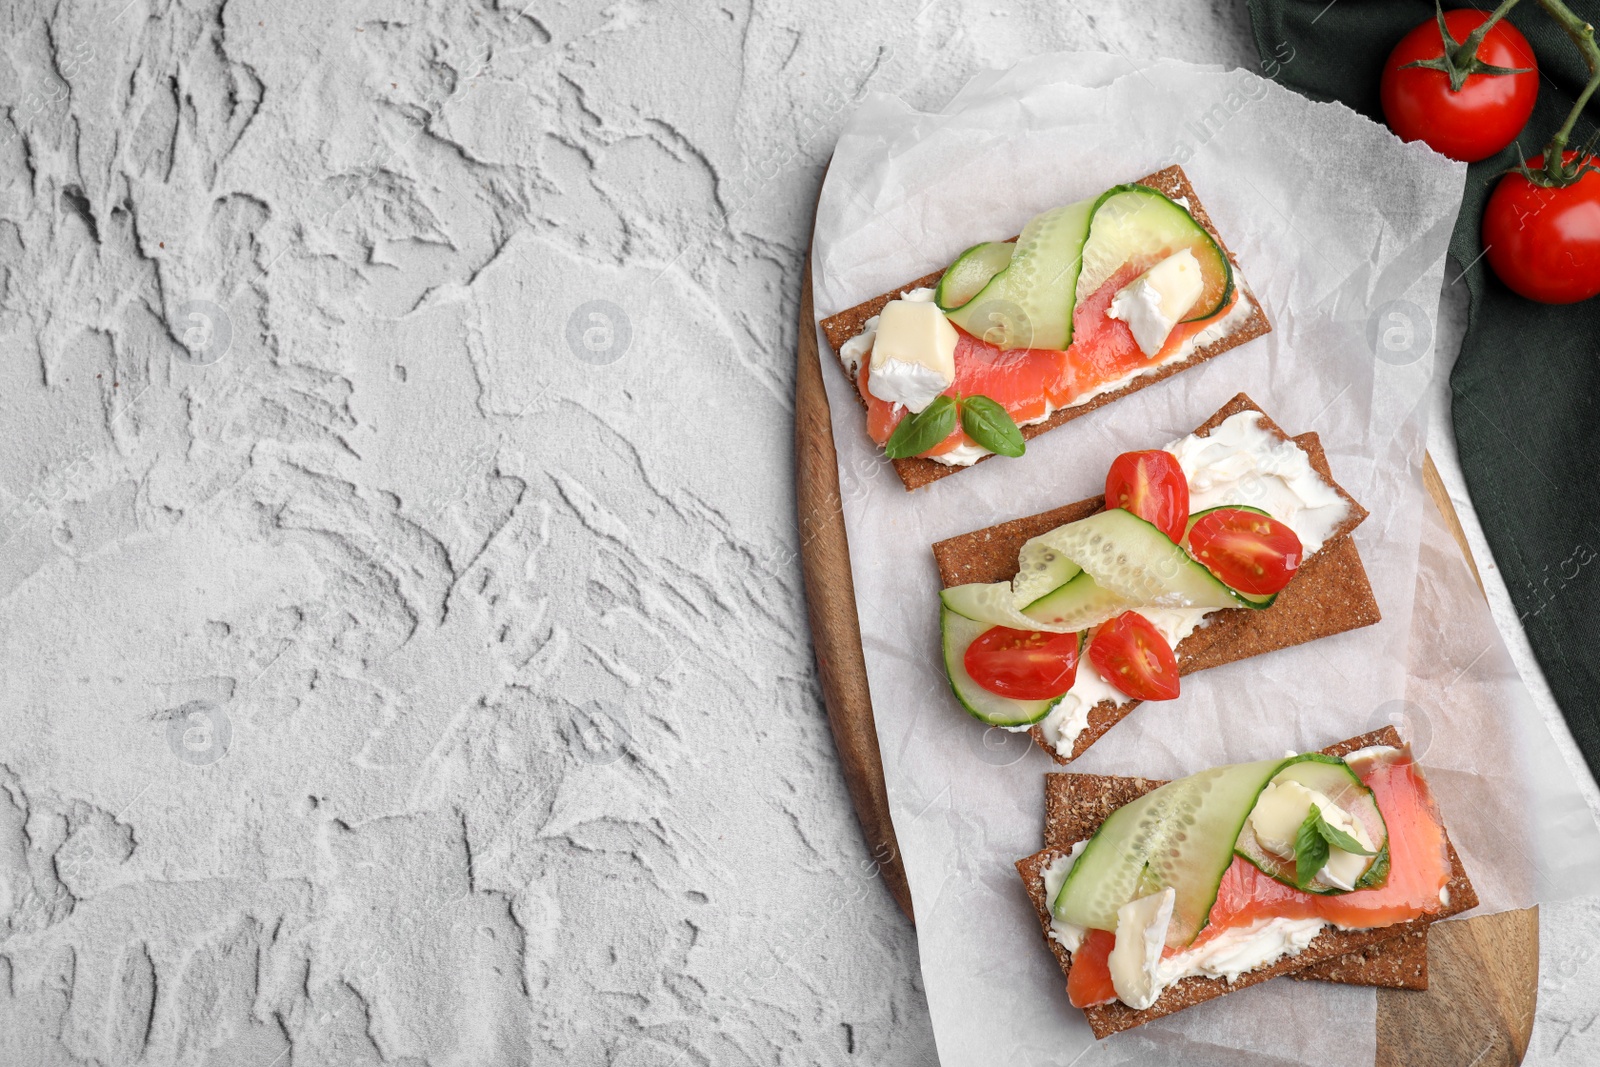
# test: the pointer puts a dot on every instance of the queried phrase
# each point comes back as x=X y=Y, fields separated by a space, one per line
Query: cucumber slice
x=1334 y=779
x=1180 y=835
x=1077 y=605
x=966 y=277
x=994 y=605
x=1132 y=559
x=1040 y=570
x=1135 y=224
x=956 y=633
x=1248 y=600
x=1029 y=304
x=1185 y=835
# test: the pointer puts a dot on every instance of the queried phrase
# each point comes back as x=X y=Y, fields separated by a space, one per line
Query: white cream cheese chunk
x=914 y=355
x=853 y=351
x=1276 y=820
x=1135 y=960
x=1154 y=302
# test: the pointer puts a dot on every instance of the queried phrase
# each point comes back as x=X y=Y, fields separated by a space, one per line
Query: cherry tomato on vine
x=1152 y=486
x=1023 y=664
x=1489 y=110
x=1545 y=243
x=1132 y=655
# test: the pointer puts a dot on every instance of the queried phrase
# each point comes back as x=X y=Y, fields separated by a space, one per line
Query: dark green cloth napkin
x=1526 y=388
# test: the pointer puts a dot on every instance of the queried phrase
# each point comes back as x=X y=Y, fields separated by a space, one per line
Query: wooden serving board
x=1483 y=973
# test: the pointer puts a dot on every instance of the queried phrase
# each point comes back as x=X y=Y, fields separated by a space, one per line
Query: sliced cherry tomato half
x=1153 y=487
x=1130 y=654
x=1248 y=552
x=1023 y=664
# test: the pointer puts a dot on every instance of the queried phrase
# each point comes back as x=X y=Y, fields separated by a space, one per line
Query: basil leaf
x=987 y=423
x=1310 y=849
x=1339 y=839
x=920 y=432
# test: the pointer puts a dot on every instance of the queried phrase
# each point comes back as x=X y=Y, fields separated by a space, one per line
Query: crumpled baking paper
x=1341 y=232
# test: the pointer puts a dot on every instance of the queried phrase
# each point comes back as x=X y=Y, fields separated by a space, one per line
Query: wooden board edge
x=835 y=627
x=1483 y=972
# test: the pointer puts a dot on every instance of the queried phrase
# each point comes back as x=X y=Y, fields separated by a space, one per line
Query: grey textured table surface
x=402 y=657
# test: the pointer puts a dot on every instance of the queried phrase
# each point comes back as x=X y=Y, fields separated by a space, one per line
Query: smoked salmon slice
x=1090 y=984
x=1419 y=868
x=1028 y=382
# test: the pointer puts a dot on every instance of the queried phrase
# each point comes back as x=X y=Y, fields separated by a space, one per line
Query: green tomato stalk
x=1555 y=171
x=1460 y=58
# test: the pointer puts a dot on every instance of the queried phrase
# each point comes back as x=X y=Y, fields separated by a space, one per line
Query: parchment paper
x=1339 y=228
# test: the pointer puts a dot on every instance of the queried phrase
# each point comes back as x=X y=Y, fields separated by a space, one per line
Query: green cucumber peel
x=1029 y=303
x=1134 y=560
x=1024 y=293
x=1180 y=834
x=973 y=269
x=956 y=634
x=1160 y=212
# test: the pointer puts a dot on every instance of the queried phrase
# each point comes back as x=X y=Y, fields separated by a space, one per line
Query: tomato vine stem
x=1555 y=171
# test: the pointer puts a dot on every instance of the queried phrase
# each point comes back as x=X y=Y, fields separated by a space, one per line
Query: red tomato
x=1488 y=112
x=1545 y=243
x=1023 y=664
x=1130 y=653
x=1249 y=552
x=1152 y=486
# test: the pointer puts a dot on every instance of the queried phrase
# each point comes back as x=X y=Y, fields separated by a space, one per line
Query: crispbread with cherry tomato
x=1325 y=593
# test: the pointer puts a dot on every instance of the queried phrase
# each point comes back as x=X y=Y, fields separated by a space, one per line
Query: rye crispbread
x=1329 y=594
x=917 y=472
x=1395 y=956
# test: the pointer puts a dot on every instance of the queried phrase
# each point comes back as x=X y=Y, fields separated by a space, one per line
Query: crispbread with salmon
x=1076 y=805
x=1330 y=594
x=916 y=472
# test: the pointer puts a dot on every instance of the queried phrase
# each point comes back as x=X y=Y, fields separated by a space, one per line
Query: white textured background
x=397 y=663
